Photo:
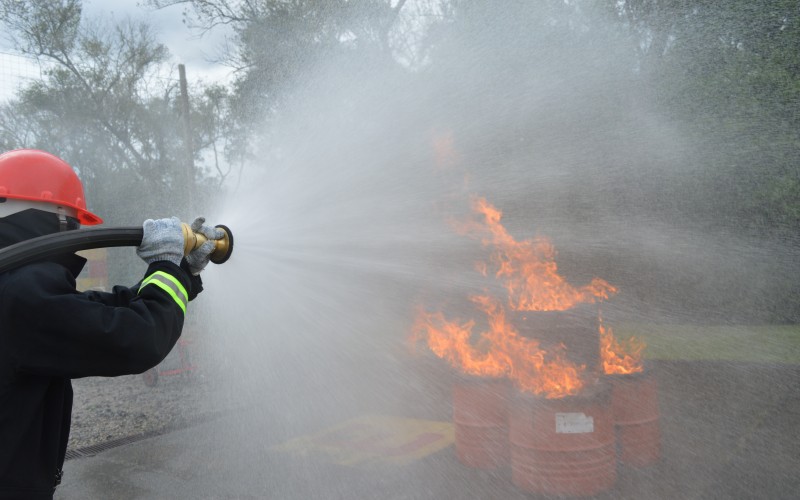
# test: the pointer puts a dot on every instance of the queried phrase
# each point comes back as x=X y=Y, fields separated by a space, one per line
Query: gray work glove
x=199 y=257
x=162 y=240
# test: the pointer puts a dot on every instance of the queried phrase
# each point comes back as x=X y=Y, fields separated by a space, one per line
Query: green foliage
x=43 y=26
x=730 y=72
x=755 y=344
x=107 y=106
x=280 y=43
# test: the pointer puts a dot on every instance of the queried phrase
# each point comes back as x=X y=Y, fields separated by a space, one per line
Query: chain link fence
x=16 y=70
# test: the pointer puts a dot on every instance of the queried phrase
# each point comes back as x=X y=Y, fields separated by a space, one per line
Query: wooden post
x=187 y=132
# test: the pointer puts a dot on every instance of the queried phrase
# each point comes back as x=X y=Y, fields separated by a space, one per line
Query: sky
x=186 y=46
x=195 y=52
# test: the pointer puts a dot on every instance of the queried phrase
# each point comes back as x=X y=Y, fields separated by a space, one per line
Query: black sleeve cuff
x=181 y=273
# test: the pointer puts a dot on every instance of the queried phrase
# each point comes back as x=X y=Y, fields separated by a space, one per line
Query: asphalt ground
x=729 y=430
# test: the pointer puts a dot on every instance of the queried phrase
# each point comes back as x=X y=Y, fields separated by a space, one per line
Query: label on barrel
x=574 y=423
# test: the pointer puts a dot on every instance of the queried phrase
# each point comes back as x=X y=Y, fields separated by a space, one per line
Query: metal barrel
x=480 y=418
x=634 y=402
x=563 y=447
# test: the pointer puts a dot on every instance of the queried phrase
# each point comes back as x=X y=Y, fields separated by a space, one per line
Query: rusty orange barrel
x=563 y=447
x=480 y=418
x=636 y=417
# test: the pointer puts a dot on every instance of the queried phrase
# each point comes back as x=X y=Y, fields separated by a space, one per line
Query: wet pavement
x=729 y=430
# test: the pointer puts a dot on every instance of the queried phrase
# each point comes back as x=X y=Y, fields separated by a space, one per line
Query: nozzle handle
x=193 y=241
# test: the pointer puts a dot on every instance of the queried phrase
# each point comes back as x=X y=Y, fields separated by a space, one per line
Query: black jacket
x=50 y=333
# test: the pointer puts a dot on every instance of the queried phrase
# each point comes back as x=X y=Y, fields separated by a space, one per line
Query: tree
x=221 y=134
x=280 y=44
x=93 y=102
x=106 y=105
x=730 y=72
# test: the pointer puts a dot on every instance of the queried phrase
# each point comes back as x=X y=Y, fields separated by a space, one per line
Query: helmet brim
x=85 y=217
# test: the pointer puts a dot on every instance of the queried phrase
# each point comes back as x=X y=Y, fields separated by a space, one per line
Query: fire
x=451 y=341
x=499 y=351
x=528 y=269
x=620 y=357
x=528 y=272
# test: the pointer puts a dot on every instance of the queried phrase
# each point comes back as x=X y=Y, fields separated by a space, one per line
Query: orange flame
x=529 y=273
x=620 y=357
x=499 y=352
x=528 y=268
x=451 y=341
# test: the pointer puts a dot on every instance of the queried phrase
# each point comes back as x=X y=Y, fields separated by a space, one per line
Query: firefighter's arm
x=121 y=296
x=71 y=334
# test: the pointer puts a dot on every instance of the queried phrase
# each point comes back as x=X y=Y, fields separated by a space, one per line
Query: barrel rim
x=596 y=391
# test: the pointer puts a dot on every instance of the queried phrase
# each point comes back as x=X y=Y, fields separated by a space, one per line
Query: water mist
x=345 y=223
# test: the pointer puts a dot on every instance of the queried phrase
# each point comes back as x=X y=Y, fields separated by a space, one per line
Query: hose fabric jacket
x=51 y=333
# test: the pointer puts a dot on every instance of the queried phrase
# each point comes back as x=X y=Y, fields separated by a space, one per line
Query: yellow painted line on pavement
x=372 y=439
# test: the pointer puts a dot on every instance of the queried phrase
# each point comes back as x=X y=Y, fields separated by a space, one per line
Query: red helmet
x=37 y=176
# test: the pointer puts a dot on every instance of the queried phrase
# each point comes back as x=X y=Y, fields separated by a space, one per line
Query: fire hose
x=43 y=247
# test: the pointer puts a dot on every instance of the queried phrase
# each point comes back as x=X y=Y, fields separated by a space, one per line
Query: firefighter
x=50 y=333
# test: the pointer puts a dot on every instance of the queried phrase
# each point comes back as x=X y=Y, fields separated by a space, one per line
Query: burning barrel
x=480 y=416
x=563 y=446
x=634 y=402
x=575 y=329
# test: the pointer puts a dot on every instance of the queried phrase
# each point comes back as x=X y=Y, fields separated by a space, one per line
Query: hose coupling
x=224 y=245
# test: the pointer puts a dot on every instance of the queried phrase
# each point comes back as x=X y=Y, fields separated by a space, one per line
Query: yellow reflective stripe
x=169 y=284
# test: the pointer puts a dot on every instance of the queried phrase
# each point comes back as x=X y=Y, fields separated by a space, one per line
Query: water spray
x=49 y=245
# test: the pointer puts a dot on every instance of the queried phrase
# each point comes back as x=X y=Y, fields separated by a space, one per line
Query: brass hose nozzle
x=224 y=245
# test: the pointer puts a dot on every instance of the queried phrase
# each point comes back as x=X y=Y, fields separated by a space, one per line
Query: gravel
x=110 y=408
